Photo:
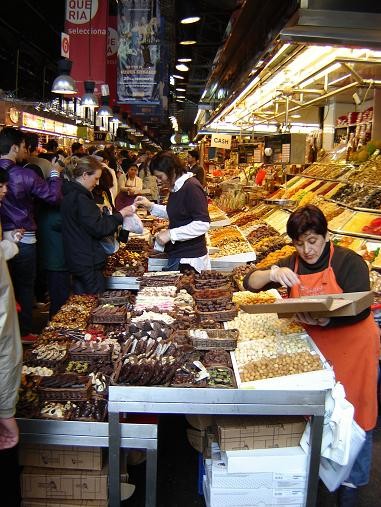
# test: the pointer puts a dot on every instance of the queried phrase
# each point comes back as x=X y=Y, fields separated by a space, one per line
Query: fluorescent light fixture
x=182 y=67
x=178 y=77
x=191 y=19
x=181 y=97
x=180 y=89
x=296 y=115
x=184 y=59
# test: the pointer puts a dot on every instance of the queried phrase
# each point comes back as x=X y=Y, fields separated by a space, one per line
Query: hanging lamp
x=88 y=99
x=105 y=110
x=64 y=84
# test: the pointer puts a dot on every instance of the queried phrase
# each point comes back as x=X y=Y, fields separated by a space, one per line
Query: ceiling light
x=182 y=67
x=188 y=42
x=89 y=99
x=181 y=96
x=180 y=89
x=184 y=59
x=296 y=115
x=64 y=84
x=178 y=77
x=189 y=12
x=105 y=110
x=187 y=35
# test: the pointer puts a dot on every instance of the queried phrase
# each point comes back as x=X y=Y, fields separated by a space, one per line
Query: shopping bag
x=333 y=474
x=337 y=428
x=133 y=224
x=110 y=244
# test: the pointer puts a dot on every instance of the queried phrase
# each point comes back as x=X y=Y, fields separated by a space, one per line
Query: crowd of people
x=56 y=211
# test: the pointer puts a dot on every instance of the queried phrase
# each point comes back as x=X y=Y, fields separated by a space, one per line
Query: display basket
x=66 y=393
x=221 y=285
x=91 y=356
x=119 y=318
x=221 y=316
x=52 y=417
x=216 y=338
x=100 y=405
x=220 y=378
x=30 y=359
x=114 y=299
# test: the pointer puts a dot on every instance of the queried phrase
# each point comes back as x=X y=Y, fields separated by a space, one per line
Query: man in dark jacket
x=195 y=168
x=17 y=212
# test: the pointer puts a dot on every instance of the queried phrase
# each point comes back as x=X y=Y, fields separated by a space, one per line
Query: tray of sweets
x=55 y=410
x=221 y=316
x=115 y=297
x=64 y=387
x=90 y=351
x=109 y=314
x=206 y=339
x=94 y=409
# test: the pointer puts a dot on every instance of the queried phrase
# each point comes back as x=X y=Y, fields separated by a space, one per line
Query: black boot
x=348 y=497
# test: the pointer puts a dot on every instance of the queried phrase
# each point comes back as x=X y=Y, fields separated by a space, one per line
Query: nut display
x=252 y=298
x=280 y=366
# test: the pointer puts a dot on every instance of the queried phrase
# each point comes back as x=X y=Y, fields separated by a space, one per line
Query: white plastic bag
x=133 y=224
x=110 y=244
x=337 y=428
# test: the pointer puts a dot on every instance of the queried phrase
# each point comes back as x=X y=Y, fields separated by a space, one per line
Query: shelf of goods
x=218 y=218
x=230 y=244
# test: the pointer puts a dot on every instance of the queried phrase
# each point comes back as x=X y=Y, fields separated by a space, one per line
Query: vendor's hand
x=9 y=433
x=127 y=211
x=307 y=318
x=143 y=201
x=163 y=237
x=284 y=276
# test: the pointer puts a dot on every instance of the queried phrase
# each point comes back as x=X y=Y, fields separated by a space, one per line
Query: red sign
x=65 y=45
x=86 y=24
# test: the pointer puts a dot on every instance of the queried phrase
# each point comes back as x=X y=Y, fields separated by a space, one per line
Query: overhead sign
x=221 y=141
x=65 y=45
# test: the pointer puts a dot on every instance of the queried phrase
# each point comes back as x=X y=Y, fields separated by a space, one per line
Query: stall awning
x=334 y=27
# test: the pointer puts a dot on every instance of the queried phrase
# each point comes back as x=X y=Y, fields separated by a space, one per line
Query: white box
x=263 y=497
x=285 y=459
x=219 y=477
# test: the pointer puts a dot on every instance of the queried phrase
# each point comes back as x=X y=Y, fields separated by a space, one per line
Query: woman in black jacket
x=84 y=226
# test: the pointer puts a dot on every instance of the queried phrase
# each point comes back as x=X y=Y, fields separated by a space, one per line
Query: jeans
x=59 y=290
x=360 y=472
x=89 y=282
x=174 y=265
x=23 y=273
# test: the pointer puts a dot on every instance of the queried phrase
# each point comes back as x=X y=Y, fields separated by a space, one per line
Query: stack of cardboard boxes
x=64 y=476
x=255 y=461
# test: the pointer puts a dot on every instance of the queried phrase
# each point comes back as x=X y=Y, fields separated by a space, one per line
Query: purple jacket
x=17 y=207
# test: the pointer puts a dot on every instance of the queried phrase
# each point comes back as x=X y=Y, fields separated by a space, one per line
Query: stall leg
x=114 y=457
x=314 y=459
x=151 y=477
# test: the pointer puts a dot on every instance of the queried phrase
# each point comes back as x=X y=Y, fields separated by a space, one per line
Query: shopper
x=133 y=185
x=149 y=180
x=77 y=149
x=350 y=344
x=17 y=212
x=84 y=226
x=194 y=166
x=187 y=211
x=10 y=344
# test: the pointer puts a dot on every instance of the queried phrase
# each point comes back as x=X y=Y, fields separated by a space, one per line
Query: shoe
x=29 y=339
x=348 y=497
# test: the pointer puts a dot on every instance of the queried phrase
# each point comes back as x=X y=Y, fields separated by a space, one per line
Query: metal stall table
x=92 y=434
x=165 y=400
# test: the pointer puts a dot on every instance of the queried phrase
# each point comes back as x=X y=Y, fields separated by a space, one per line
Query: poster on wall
x=139 y=75
x=86 y=25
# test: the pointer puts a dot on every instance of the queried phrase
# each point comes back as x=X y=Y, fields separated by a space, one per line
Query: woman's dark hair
x=3 y=176
x=51 y=145
x=169 y=164
x=306 y=218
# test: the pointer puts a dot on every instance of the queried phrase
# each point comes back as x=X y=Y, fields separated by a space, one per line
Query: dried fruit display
x=268 y=245
x=274 y=257
x=252 y=298
x=368 y=173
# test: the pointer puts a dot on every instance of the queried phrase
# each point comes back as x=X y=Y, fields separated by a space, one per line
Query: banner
x=221 y=141
x=139 y=75
x=111 y=59
x=86 y=24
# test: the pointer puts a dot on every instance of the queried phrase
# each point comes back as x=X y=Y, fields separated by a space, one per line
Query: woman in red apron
x=350 y=344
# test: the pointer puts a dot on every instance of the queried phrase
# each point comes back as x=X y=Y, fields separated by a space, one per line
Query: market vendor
x=350 y=344
x=187 y=212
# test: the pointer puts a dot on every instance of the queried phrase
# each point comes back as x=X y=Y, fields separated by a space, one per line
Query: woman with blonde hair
x=84 y=226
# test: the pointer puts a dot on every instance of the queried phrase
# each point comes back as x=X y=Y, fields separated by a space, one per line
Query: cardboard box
x=259 y=432
x=64 y=484
x=285 y=460
x=38 y=502
x=61 y=456
x=329 y=305
x=197 y=439
x=262 y=497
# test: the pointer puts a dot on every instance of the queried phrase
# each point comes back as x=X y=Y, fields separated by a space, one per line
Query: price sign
x=65 y=45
